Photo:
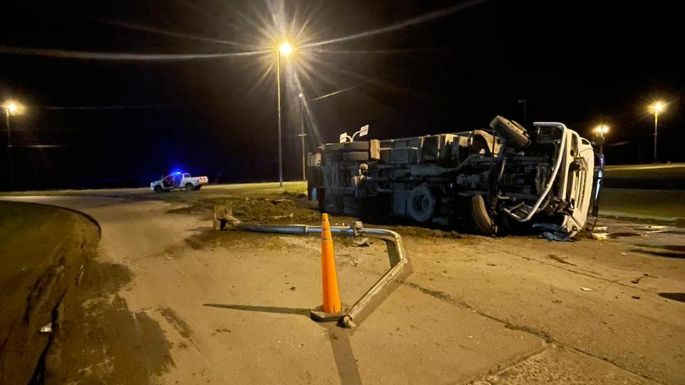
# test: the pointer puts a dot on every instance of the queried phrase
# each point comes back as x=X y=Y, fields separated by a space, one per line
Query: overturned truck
x=501 y=179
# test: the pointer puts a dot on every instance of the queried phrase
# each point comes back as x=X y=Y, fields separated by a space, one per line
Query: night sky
x=103 y=81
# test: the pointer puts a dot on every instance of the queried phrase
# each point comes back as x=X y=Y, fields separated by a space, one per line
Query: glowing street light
x=599 y=132
x=601 y=129
x=656 y=108
x=283 y=49
x=11 y=107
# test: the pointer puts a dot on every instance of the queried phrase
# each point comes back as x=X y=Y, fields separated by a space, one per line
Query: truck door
x=177 y=180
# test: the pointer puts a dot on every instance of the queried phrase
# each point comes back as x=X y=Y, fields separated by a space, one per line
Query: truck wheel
x=481 y=217
x=514 y=133
x=158 y=189
x=189 y=187
x=421 y=204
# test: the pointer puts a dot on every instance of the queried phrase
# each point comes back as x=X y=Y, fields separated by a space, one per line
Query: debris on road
x=635 y=296
x=364 y=242
x=599 y=236
x=223 y=215
x=585 y=288
x=47 y=328
x=283 y=216
x=638 y=279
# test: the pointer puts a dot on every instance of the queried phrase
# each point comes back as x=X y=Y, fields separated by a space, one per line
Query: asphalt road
x=197 y=306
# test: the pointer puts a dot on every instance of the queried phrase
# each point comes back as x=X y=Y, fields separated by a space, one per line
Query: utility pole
x=11 y=107
x=302 y=123
x=657 y=108
x=9 y=148
x=525 y=112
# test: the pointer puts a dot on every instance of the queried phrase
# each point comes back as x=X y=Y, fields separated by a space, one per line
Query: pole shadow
x=345 y=362
x=339 y=338
x=262 y=309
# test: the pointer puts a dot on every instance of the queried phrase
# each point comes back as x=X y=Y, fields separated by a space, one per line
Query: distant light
x=657 y=107
x=301 y=95
x=13 y=107
x=602 y=129
x=285 y=48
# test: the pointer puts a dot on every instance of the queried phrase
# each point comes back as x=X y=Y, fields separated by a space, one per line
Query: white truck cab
x=179 y=180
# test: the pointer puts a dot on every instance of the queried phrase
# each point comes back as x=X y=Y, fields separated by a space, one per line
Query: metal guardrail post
x=397 y=256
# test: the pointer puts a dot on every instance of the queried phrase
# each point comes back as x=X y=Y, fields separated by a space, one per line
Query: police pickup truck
x=178 y=180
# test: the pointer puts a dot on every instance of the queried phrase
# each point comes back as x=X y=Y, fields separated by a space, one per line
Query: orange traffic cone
x=331 y=296
x=332 y=308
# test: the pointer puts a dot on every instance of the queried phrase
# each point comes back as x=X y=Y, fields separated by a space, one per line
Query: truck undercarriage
x=502 y=178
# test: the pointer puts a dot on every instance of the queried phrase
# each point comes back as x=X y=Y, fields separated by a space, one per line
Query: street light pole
x=11 y=108
x=283 y=49
x=9 y=148
x=525 y=110
x=304 y=173
x=656 y=131
x=657 y=107
x=278 y=98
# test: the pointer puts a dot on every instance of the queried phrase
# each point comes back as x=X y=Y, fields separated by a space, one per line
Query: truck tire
x=189 y=187
x=421 y=204
x=481 y=217
x=158 y=189
x=514 y=133
x=356 y=156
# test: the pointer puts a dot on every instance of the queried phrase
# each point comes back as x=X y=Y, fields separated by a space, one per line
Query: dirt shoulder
x=43 y=249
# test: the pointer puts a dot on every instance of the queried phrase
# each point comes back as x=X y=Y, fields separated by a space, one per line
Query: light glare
x=285 y=48
x=602 y=129
x=658 y=107
x=12 y=107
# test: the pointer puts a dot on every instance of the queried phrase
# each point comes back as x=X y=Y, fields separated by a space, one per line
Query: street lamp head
x=285 y=48
x=601 y=129
x=658 y=107
x=13 y=107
